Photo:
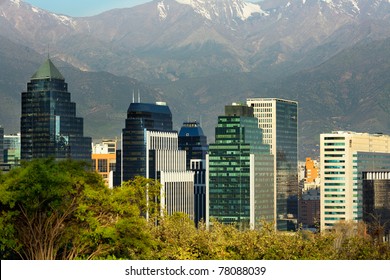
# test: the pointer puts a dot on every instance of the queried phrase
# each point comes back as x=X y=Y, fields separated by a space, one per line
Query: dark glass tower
x=132 y=160
x=278 y=119
x=150 y=149
x=240 y=181
x=194 y=142
x=49 y=126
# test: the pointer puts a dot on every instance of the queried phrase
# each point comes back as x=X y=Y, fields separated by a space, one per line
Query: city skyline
x=100 y=51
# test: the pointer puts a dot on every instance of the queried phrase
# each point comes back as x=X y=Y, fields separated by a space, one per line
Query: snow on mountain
x=17 y=2
x=210 y=9
x=350 y=7
x=163 y=10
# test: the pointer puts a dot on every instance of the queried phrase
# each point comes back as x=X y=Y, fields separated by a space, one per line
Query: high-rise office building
x=134 y=158
x=1 y=144
x=194 y=142
x=376 y=202
x=347 y=160
x=239 y=173
x=49 y=126
x=278 y=119
x=4 y=167
x=150 y=149
x=12 y=149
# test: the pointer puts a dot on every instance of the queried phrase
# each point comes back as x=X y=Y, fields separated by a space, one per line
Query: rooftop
x=47 y=71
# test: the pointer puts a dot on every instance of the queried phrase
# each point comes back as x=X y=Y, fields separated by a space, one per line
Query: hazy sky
x=77 y=8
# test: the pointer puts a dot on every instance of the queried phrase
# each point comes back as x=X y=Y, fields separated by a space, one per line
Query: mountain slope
x=348 y=92
x=102 y=99
x=332 y=56
x=148 y=41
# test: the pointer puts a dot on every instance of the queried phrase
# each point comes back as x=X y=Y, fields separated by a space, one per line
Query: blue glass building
x=134 y=157
x=150 y=149
x=194 y=142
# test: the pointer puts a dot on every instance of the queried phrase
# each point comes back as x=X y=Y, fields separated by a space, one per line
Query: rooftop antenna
x=133 y=95
x=139 y=97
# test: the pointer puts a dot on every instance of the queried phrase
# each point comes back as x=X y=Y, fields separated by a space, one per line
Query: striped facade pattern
x=177 y=192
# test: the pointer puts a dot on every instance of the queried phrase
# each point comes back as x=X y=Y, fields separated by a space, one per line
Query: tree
x=60 y=210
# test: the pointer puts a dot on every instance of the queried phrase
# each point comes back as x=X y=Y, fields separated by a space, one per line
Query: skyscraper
x=12 y=149
x=150 y=149
x=135 y=159
x=350 y=164
x=1 y=144
x=278 y=119
x=239 y=180
x=194 y=142
x=376 y=202
x=49 y=126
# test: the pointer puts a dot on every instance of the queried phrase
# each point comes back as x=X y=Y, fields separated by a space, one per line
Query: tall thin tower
x=278 y=118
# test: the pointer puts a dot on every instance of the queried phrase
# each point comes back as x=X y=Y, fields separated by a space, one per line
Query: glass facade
x=12 y=149
x=286 y=142
x=376 y=199
x=133 y=158
x=240 y=171
x=49 y=126
x=375 y=163
x=279 y=120
x=194 y=142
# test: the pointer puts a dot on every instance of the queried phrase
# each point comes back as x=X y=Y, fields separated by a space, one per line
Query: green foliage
x=60 y=210
x=180 y=240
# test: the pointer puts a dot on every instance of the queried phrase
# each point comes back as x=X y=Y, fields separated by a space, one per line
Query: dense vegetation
x=60 y=210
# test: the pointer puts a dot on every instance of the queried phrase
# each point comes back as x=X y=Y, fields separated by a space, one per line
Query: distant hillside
x=331 y=56
x=351 y=91
x=102 y=98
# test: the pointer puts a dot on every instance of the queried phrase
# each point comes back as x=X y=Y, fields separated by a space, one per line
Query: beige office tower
x=347 y=158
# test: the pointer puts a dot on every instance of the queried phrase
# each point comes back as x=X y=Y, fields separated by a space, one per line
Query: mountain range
x=332 y=56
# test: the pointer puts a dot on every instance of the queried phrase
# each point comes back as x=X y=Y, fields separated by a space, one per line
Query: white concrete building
x=168 y=164
x=345 y=157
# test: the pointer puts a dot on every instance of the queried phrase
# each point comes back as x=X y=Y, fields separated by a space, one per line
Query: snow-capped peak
x=342 y=4
x=17 y=2
x=216 y=8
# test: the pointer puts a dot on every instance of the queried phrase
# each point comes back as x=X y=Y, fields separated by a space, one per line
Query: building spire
x=47 y=71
